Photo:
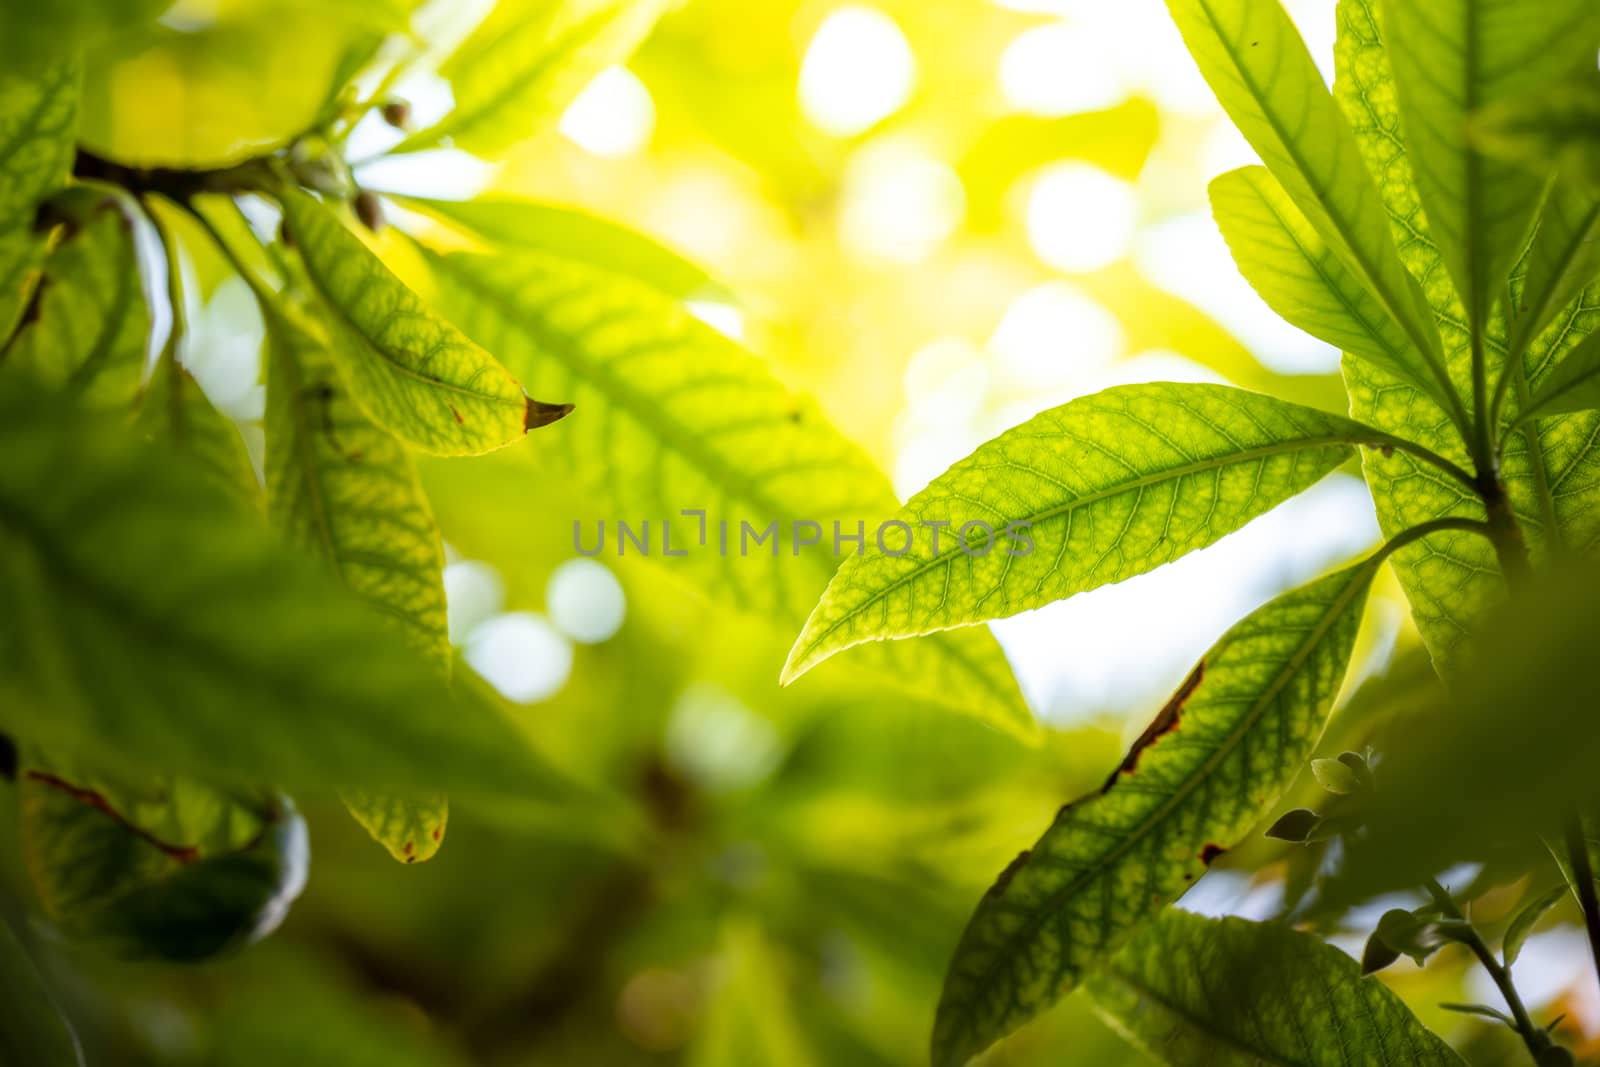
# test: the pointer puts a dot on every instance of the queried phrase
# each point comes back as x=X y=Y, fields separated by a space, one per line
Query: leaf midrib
x=1096 y=497
x=1116 y=974
x=1193 y=780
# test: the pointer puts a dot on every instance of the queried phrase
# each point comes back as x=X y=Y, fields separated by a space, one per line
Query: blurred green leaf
x=526 y=62
x=38 y=124
x=676 y=416
x=1213 y=760
x=243 y=79
x=1526 y=919
x=1556 y=127
x=89 y=333
x=156 y=622
x=1196 y=992
x=1255 y=61
x=1449 y=767
x=749 y=1019
x=347 y=492
x=175 y=412
x=413 y=373
x=1450 y=58
x=571 y=233
x=1092 y=492
x=33 y=1032
x=1570 y=386
x=34 y=36
x=1297 y=274
x=104 y=878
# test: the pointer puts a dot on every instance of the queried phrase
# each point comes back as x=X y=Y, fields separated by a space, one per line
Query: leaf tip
x=538 y=414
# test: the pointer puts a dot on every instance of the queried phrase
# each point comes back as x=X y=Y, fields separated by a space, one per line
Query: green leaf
x=1103 y=488
x=679 y=417
x=118 y=876
x=1335 y=776
x=35 y=1032
x=1450 y=58
x=1295 y=825
x=38 y=125
x=153 y=621
x=1558 y=126
x=1526 y=919
x=1563 y=259
x=1197 y=992
x=1288 y=263
x=175 y=412
x=413 y=373
x=571 y=233
x=1572 y=385
x=33 y=38
x=750 y=1018
x=1255 y=61
x=1210 y=764
x=526 y=62
x=348 y=492
x=89 y=332
x=411 y=828
x=1450 y=576
x=22 y=254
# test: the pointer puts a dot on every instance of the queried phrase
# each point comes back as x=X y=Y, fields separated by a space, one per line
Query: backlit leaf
x=38 y=123
x=1572 y=385
x=413 y=373
x=1526 y=919
x=1450 y=58
x=348 y=492
x=1256 y=63
x=1284 y=258
x=526 y=62
x=88 y=333
x=155 y=621
x=1103 y=488
x=1563 y=259
x=1198 y=992
x=35 y=1032
x=679 y=417
x=513 y=225
x=1449 y=576
x=1211 y=763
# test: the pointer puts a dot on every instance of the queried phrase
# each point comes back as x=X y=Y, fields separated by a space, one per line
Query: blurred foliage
x=683 y=863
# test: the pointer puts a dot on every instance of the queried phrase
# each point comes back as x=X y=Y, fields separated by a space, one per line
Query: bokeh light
x=858 y=70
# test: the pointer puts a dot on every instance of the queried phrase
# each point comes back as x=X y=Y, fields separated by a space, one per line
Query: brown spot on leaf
x=438 y=832
x=1210 y=853
x=410 y=846
x=541 y=414
x=1164 y=723
x=457 y=414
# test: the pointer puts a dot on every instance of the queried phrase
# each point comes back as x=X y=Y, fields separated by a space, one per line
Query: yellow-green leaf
x=411 y=828
x=38 y=124
x=1093 y=492
x=526 y=61
x=1211 y=763
x=1558 y=126
x=1286 y=261
x=676 y=417
x=1563 y=259
x=1451 y=58
x=1572 y=385
x=514 y=225
x=1198 y=992
x=1255 y=61
x=412 y=372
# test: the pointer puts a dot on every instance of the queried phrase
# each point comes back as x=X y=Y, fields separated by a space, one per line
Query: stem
x=1532 y=1036
x=1399 y=444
